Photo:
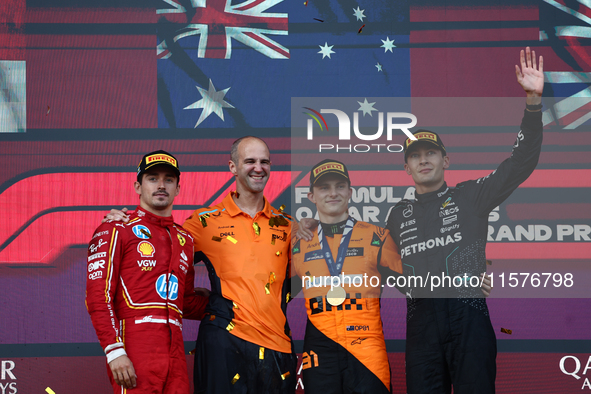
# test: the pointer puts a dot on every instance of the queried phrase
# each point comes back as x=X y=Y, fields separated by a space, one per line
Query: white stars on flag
x=326 y=50
x=212 y=102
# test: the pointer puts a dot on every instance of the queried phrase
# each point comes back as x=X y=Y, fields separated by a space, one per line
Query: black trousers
x=227 y=364
x=450 y=342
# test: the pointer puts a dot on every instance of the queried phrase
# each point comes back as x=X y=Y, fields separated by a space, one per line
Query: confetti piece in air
x=281 y=208
x=257 y=228
x=319 y=20
x=231 y=239
x=267 y=291
x=360 y=29
x=278 y=253
x=288 y=297
x=49 y=391
x=261 y=353
x=234 y=305
x=272 y=277
x=48 y=109
x=192 y=352
x=216 y=239
x=235 y=378
x=306 y=3
x=504 y=330
x=285 y=375
x=230 y=327
x=489 y=262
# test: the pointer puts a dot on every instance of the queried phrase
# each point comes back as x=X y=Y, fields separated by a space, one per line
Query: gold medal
x=336 y=296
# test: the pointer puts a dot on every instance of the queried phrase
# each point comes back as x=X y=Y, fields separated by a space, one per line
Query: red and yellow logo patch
x=422 y=136
x=160 y=157
x=146 y=249
x=329 y=166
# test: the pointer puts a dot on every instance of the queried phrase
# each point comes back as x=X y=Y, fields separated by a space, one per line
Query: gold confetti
x=49 y=391
x=272 y=278
x=285 y=375
x=281 y=221
x=192 y=352
x=504 y=330
x=202 y=219
x=234 y=304
x=230 y=326
x=147 y=234
x=288 y=298
x=281 y=208
x=257 y=228
x=231 y=239
x=216 y=239
x=278 y=253
x=489 y=262
x=211 y=317
x=235 y=378
x=261 y=353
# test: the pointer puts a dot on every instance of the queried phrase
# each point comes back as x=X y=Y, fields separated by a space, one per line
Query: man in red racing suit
x=140 y=287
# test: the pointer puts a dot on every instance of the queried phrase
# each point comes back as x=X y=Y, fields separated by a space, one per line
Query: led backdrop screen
x=88 y=87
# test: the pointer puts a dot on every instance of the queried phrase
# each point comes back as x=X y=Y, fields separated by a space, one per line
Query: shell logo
x=146 y=249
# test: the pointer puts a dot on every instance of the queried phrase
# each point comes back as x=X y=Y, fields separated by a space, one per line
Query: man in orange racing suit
x=140 y=286
x=344 y=348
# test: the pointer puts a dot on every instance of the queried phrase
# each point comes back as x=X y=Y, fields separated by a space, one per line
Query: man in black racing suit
x=449 y=335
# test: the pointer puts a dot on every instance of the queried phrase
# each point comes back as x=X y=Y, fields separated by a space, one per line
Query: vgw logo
x=345 y=130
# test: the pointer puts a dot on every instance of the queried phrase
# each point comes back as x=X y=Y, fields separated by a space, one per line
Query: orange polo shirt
x=248 y=270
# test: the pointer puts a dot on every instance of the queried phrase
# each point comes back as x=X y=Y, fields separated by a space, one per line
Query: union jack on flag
x=217 y=22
